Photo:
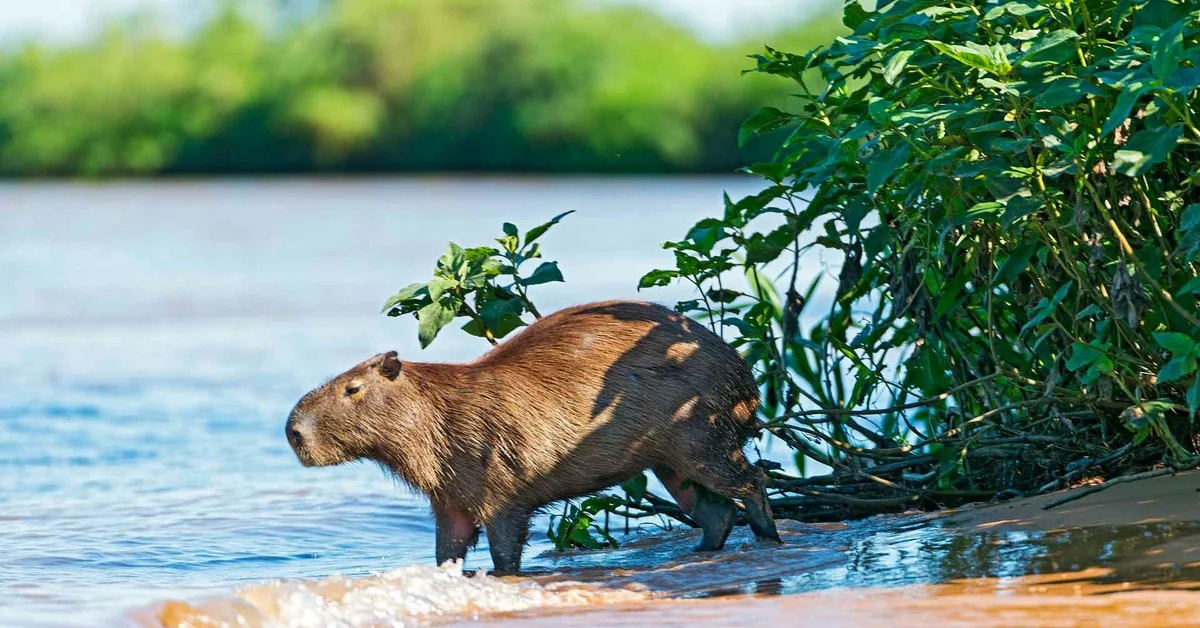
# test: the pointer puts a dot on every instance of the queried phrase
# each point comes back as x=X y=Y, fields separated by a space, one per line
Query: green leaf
x=1175 y=342
x=545 y=273
x=1140 y=435
x=657 y=278
x=1083 y=355
x=1176 y=368
x=405 y=293
x=761 y=249
x=502 y=316
x=492 y=267
x=854 y=14
x=510 y=229
x=1018 y=9
x=1066 y=90
x=1168 y=50
x=1018 y=207
x=896 y=64
x=1052 y=46
x=1046 y=307
x=1145 y=149
x=439 y=285
x=883 y=165
x=1014 y=265
x=433 y=317
x=510 y=243
x=1124 y=104
x=533 y=234
x=500 y=329
x=635 y=487
x=991 y=60
x=986 y=210
x=1189 y=241
x=1191 y=287
x=762 y=121
x=706 y=234
x=452 y=260
x=952 y=290
x=1193 y=399
x=1121 y=11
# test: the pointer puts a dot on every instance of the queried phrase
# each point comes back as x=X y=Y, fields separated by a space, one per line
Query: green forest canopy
x=389 y=85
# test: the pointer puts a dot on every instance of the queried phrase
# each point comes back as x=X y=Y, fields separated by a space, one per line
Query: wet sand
x=1128 y=555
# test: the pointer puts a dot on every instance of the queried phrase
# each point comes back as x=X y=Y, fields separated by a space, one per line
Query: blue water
x=153 y=337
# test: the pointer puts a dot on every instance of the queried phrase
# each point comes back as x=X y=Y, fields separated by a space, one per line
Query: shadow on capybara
x=583 y=399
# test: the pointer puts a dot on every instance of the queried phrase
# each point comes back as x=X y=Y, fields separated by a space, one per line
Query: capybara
x=580 y=400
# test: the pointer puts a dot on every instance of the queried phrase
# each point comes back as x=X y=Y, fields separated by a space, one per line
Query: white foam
x=405 y=596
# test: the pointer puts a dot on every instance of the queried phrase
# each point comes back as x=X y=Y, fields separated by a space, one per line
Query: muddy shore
x=1127 y=555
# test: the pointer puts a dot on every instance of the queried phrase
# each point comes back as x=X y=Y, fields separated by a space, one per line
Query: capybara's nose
x=294 y=437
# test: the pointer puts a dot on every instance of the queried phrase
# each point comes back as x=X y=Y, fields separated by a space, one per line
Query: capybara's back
x=579 y=401
x=615 y=388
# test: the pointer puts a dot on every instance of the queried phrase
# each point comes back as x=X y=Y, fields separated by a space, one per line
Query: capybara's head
x=338 y=422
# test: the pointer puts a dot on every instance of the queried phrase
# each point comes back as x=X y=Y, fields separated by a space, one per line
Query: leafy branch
x=483 y=284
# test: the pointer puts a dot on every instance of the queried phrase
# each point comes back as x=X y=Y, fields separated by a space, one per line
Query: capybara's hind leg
x=735 y=478
x=506 y=536
x=758 y=511
x=713 y=513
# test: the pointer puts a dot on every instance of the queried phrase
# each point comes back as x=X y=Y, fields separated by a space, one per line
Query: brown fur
x=579 y=401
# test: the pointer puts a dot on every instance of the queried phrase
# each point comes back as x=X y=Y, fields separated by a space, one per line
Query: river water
x=153 y=337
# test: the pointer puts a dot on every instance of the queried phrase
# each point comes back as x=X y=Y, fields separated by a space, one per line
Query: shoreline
x=1129 y=554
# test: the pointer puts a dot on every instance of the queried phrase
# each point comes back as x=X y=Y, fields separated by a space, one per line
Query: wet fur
x=579 y=401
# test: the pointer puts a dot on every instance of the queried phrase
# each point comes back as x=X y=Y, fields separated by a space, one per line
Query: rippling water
x=154 y=336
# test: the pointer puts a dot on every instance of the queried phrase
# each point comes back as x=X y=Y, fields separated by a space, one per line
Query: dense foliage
x=1012 y=192
x=385 y=85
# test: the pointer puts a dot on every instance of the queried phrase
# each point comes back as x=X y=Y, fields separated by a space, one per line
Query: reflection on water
x=899 y=552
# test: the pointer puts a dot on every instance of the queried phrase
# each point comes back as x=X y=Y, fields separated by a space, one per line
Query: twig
x=907 y=406
x=844 y=499
x=1084 y=492
x=1071 y=475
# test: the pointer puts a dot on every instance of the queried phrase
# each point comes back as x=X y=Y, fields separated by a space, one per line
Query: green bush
x=1012 y=189
x=386 y=85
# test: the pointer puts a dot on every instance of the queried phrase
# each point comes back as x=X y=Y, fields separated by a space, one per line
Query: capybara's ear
x=389 y=366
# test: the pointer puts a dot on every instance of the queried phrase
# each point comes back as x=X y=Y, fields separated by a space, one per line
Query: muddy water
x=1131 y=557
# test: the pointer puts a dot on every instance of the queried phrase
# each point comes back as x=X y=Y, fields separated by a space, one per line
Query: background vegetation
x=1011 y=189
x=387 y=85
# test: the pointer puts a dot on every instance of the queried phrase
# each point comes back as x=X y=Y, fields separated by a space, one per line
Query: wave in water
x=414 y=595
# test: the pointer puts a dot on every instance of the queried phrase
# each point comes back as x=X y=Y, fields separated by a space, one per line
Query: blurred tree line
x=389 y=85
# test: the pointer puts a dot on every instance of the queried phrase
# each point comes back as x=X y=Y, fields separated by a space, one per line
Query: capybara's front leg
x=457 y=532
x=506 y=535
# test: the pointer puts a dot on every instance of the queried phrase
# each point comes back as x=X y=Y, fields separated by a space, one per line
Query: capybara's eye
x=352 y=388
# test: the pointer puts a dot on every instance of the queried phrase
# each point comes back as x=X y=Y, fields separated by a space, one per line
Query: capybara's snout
x=294 y=437
x=298 y=431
